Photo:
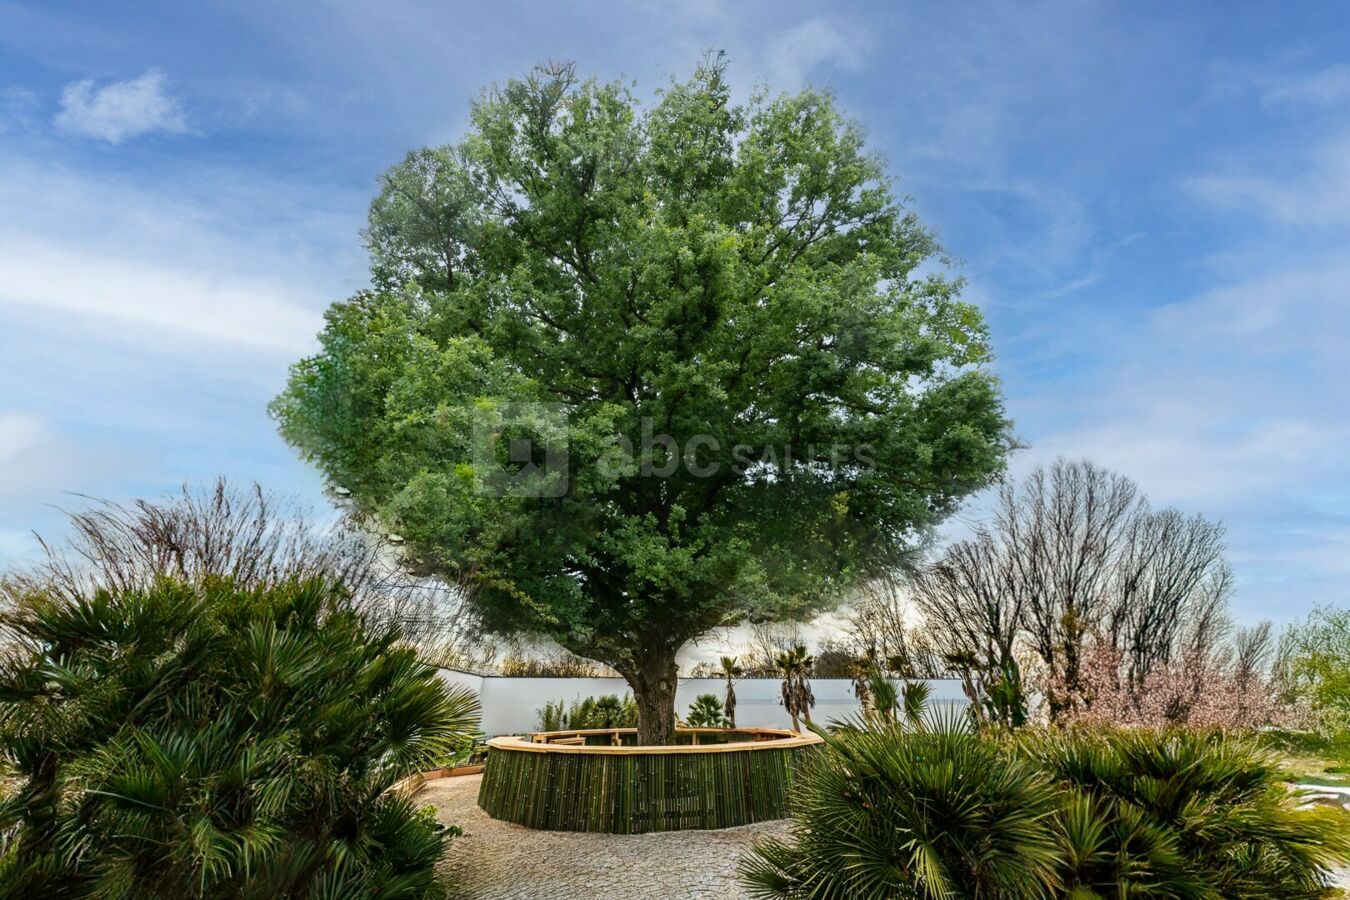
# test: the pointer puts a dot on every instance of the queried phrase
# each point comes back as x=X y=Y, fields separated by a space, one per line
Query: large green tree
x=748 y=382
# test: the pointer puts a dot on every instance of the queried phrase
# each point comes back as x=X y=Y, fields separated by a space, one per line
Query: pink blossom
x=1192 y=690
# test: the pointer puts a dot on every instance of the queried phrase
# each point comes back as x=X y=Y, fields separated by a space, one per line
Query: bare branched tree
x=1075 y=554
x=1170 y=588
x=974 y=606
x=254 y=538
x=768 y=641
x=882 y=625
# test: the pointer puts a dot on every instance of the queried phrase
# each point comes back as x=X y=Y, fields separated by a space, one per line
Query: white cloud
x=1209 y=402
x=1230 y=404
x=794 y=54
x=35 y=459
x=16 y=107
x=1320 y=88
x=120 y=109
x=19 y=434
x=136 y=295
x=1317 y=196
x=209 y=261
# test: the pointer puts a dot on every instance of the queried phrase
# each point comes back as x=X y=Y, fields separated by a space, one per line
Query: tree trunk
x=653 y=684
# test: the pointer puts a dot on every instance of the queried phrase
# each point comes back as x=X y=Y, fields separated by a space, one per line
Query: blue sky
x=1151 y=202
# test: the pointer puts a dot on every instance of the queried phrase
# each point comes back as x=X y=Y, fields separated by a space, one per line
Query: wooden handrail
x=764 y=739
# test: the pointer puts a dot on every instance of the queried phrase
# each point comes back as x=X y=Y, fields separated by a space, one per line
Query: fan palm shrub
x=706 y=712
x=882 y=696
x=208 y=739
x=606 y=711
x=885 y=811
x=915 y=701
x=1184 y=814
x=942 y=811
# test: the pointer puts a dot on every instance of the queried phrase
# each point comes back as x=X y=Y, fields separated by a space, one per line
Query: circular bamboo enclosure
x=600 y=781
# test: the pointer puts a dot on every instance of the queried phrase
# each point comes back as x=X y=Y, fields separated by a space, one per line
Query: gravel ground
x=496 y=860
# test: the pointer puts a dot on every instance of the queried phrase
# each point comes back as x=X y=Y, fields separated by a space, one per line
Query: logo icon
x=519 y=449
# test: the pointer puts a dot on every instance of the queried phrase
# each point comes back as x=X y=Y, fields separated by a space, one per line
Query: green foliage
x=195 y=740
x=883 y=698
x=1318 y=667
x=1184 y=814
x=707 y=712
x=552 y=716
x=608 y=711
x=915 y=701
x=886 y=812
x=946 y=811
x=1005 y=697
x=739 y=278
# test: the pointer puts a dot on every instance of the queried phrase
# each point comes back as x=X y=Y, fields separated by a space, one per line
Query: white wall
x=511 y=705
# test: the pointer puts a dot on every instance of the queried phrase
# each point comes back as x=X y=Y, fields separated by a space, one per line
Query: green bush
x=886 y=812
x=1184 y=814
x=706 y=712
x=890 y=811
x=608 y=711
x=195 y=740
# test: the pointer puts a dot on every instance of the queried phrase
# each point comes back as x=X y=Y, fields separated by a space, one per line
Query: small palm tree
x=609 y=712
x=795 y=667
x=706 y=712
x=915 y=699
x=731 y=670
x=863 y=670
x=883 y=698
x=1203 y=814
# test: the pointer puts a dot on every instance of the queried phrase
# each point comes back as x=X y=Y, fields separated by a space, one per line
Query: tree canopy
x=747 y=378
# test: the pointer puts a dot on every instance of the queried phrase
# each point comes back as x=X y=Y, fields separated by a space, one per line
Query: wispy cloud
x=16 y=107
x=35 y=458
x=1318 y=195
x=120 y=110
x=207 y=261
x=1320 y=87
x=793 y=56
x=19 y=433
x=1227 y=403
x=136 y=296
x=1208 y=400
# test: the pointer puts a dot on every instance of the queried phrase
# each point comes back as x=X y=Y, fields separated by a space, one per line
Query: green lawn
x=1312 y=759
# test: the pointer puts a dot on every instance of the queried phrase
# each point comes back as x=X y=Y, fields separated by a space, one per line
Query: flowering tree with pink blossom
x=1194 y=690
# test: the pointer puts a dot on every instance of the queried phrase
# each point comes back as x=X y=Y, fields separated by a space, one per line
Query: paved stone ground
x=1337 y=796
x=498 y=861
